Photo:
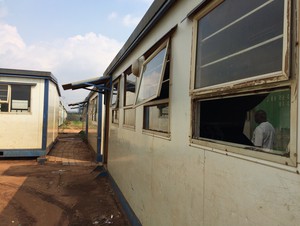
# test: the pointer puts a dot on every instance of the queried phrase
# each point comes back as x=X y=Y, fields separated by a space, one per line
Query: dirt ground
x=55 y=194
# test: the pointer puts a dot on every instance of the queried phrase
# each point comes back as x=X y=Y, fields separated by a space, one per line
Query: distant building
x=29 y=112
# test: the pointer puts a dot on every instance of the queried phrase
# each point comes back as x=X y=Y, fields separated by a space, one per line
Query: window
x=153 y=90
x=15 y=98
x=236 y=123
x=115 y=101
x=242 y=84
x=129 y=98
x=156 y=118
x=241 y=40
x=152 y=75
x=94 y=106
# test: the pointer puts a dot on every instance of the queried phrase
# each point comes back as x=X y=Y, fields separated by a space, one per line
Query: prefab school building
x=179 y=119
x=29 y=112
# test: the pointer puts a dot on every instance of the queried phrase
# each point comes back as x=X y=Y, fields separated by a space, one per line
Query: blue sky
x=74 y=39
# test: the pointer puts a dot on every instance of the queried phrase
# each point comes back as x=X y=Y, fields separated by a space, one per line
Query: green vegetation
x=76 y=125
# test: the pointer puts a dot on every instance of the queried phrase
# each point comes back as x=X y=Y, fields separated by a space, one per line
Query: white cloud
x=131 y=21
x=76 y=58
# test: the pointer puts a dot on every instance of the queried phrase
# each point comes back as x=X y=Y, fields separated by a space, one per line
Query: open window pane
x=235 y=120
x=156 y=118
x=130 y=87
x=151 y=77
x=115 y=94
x=240 y=39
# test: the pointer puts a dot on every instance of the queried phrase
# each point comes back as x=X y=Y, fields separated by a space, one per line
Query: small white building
x=29 y=112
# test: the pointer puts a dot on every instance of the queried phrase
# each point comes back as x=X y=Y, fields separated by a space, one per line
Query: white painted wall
x=170 y=182
x=23 y=130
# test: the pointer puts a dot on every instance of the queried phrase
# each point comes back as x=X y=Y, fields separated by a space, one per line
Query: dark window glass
x=239 y=39
x=234 y=120
x=3 y=107
x=20 y=97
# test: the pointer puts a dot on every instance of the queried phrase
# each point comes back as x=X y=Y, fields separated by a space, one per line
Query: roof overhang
x=150 y=19
x=84 y=84
x=79 y=103
x=20 y=73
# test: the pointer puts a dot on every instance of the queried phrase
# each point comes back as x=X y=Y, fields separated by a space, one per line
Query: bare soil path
x=57 y=194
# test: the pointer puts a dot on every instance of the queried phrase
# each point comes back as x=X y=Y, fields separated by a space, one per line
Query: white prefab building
x=181 y=135
x=29 y=112
x=186 y=87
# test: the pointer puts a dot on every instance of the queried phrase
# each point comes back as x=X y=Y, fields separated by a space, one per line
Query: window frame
x=237 y=85
x=155 y=132
x=165 y=44
x=9 y=98
x=7 y=94
x=115 y=106
x=127 y=107
x=246 y=86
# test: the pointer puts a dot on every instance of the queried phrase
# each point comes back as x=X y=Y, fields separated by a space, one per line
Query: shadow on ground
x=57 y=194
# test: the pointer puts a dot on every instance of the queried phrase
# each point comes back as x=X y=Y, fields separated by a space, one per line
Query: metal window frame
x=250 y=86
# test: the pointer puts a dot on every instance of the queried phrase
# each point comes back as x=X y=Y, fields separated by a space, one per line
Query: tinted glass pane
x=130 y=89
x=151 y=77
x=20 y=97
x=3 y=107
x=261 y=60
x=129 y=117
x=226 y=13
x=247 y=45
x=250 y=31
x=238 y=122
x=156 y=118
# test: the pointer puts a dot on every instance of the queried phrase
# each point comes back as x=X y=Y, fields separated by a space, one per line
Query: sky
x=73 y=39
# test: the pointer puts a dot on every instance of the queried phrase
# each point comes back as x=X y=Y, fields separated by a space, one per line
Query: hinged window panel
x=242 y=40
x=152 y=75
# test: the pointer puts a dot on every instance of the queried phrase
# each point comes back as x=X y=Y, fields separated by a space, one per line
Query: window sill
x=264 y=158
x=165 y=136
x=128 y=127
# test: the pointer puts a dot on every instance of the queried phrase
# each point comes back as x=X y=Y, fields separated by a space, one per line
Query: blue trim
x=133 y=219
x=99 y=129
x=45 y=115
x=22 y=153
